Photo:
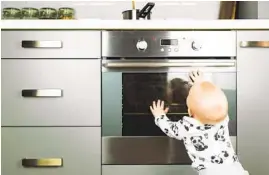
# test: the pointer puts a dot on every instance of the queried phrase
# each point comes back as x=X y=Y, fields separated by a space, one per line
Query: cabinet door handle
x=43 y=162
x=41 y=44
x=254 y=44
x=42 y=93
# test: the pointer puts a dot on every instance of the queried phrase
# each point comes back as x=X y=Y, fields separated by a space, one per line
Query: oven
x=141 y=66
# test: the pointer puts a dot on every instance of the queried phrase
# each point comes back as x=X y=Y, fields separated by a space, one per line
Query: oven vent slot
x=169 y=58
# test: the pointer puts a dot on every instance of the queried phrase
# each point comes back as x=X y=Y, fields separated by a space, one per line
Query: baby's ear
x=189 y=112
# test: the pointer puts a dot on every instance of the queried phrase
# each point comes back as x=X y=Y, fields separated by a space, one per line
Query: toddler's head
x=207 y=103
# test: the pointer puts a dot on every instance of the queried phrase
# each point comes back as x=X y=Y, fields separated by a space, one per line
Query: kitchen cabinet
x=253 y=101
x=76 y=102
x=51 y=44
x=78 y=147
x=51 y=102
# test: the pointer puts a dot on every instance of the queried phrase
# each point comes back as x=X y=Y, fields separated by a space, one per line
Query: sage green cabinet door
x=79 y=148
x=51 y=44
x=253 y=101
x=60 y=92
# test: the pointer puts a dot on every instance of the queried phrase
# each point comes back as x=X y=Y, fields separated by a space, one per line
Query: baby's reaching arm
x=170 y=128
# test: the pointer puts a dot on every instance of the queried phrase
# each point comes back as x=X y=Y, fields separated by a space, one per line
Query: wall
x=162 y=10
x=113 y=9
x=254 y=10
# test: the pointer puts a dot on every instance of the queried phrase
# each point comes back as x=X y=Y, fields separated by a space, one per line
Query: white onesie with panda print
x=208 y=146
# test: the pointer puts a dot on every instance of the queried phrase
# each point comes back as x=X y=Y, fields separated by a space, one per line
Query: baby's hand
x=196 y=77
x=158 y=109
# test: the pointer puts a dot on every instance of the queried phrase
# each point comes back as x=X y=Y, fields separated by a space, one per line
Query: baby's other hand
x=158 y=109
x=196 y=77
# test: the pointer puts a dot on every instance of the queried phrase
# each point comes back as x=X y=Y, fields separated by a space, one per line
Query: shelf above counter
x=93 y=24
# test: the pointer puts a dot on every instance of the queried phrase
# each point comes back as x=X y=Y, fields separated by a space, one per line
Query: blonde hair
x=207 y=103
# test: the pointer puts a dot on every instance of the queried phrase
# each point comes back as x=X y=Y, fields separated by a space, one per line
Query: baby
x=205 y=133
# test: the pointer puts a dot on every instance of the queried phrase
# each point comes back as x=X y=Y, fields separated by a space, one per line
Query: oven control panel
x=168 y=43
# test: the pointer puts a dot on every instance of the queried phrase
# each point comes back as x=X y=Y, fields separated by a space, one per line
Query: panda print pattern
x=204 y=127
x=206 y=144
x=206 y=135
x=200 y=167
x=187 y=125
x=220 y=135
x=166 y=131
x=198 y=143
x=218 y=159
x=174 y=128
x=185 y=140
x=235 y=158
x=201 y=159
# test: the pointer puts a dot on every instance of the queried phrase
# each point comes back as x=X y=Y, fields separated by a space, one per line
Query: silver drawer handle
x=254 y=44
x=42 y=93
x=41 y=44
x=43 y=162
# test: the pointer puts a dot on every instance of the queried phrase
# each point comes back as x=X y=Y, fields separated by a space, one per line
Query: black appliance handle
x=145 y=11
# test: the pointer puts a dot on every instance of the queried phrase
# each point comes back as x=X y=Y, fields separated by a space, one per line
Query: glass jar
x=11 y=13
x=30 y=13
x=47 y=13
x=66 y=13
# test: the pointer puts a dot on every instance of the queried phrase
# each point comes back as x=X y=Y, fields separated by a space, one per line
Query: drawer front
x=51 y=92
x=51 y=44
x=78 y=147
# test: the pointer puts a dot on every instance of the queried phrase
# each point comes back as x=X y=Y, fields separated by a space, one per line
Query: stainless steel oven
x=141 y=66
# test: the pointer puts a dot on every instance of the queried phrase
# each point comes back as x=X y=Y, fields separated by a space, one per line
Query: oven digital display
x=169 y=42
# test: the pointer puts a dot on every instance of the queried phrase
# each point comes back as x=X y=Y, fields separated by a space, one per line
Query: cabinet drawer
x=51 y=44
x=78 y=147
x=51 y=92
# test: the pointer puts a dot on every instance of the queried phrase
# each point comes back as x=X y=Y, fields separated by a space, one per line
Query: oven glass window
x=128 y=127
x=127 y=97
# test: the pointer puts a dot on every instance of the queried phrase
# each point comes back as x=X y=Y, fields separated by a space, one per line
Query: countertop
x=86 y=24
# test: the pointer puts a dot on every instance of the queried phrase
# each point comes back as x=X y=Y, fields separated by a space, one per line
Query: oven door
x=129 y=134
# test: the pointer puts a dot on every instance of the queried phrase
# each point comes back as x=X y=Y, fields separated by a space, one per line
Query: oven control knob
x=196 y=46
x=142 y=45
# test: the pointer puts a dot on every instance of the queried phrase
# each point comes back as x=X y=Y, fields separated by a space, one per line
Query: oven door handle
x=166 y=64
